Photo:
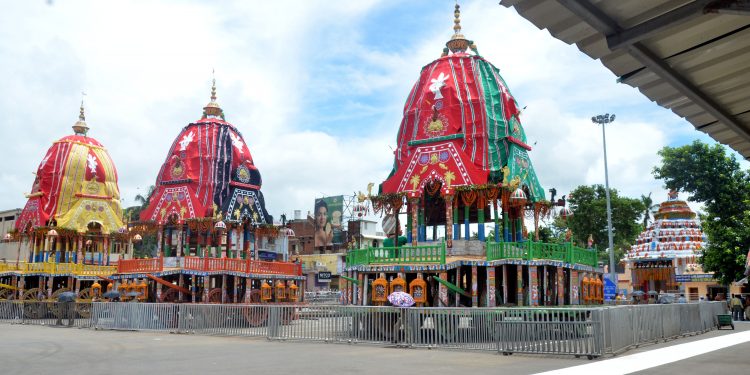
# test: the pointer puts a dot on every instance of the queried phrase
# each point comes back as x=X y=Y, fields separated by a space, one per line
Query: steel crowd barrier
x=45 y=313
x=579 y=331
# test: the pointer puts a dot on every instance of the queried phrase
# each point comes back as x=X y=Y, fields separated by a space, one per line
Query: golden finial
x=80 y=127
x=457 y=43
x=457 y=21
x=212 y=108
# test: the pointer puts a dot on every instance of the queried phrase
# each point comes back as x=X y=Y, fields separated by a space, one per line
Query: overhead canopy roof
x=692 y=57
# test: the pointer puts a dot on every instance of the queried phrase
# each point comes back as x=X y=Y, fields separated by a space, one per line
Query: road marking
x=653 y=358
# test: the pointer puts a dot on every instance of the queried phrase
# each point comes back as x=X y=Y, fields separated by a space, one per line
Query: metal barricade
x=458 y=328
x=224 y=320
x=135 y=316
x=575 y=332
x=11 y=312
x=589 y=331
x=51 y=313
x=619 y=328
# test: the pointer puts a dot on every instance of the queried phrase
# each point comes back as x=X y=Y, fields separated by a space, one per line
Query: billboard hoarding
x=328 y=216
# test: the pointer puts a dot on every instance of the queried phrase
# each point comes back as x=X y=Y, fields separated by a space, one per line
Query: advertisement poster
x=328 y=215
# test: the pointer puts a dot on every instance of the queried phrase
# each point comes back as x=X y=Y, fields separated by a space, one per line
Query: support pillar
x=443 y=291
x=354 y=288
x=560 y=287
x=467 y=232
x=458 y=284
x=506 y=224
x=489 y=289
x=497 y=221
x=181 y=283
x=186 y=249
x=159 y=236
x=414 y=210
x=235 y=288
x=359 y=290
x=449 y=222
x=106 y=251
x=474 y=287
x=78 y=286
x=158 y=292
x=545 y=287
x=533 y=286
x=223 y=288
x=50 y=280
x=574 y=297
x=481 y=204
x=206 y=287
x=193 y=289
x=456 y=225
x=364 y=290
x=422 y=226
x=178 y=248
x=409 y=224
x=249 y=289
x=21 y=285
x=505 y=283
x=519 y=281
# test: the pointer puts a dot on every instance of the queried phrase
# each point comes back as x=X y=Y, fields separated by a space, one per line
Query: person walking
x=737 y=308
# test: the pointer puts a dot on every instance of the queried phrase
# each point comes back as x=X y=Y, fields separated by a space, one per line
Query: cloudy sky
x=315 y=87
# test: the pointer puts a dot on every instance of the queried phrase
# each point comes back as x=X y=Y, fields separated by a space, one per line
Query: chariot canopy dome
x=461 y=127
x=208 y=173
x=75 y=186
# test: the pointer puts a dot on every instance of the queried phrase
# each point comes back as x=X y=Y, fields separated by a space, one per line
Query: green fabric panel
x=519 y=165
x=496 y=124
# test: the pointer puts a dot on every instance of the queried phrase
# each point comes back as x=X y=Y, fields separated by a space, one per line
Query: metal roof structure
x=689 y=56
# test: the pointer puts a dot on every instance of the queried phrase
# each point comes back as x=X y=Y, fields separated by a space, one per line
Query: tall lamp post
x=604 y=120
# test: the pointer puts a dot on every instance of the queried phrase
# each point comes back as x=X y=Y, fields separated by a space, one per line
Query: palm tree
x=648 y=206
x=143 y=201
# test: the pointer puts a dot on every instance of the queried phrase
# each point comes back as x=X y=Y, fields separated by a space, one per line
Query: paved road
x=50 y=350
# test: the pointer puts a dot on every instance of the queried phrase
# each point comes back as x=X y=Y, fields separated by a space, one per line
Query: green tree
x=648 y=206
x=715 y=179
x=589 y=206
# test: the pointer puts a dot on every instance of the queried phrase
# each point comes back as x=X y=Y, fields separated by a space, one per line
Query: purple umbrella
x=401 y=299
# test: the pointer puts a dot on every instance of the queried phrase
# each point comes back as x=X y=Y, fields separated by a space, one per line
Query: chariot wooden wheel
x=254 y=296
x=83 y=302
x=35 y=309
x=7 y=294
x=256 y=316
x=170 y=295
x=53 y=306
x=214 y=296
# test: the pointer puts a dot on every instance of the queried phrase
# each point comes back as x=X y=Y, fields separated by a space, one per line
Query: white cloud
x=146 y=68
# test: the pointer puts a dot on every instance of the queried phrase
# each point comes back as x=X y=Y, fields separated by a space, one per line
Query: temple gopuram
x=462 y=161
x=210 y=222
x=665 y=256
x=70 y=232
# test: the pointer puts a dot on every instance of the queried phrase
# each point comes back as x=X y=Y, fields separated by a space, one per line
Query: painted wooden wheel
x=170 y=295
x=255 y=315
x=83 y=302
x=214 y=296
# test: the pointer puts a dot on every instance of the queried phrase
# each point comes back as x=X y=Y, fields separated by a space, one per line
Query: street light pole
x=603 y=120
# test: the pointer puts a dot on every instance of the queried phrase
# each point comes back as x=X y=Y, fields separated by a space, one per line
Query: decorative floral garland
x=267 y=230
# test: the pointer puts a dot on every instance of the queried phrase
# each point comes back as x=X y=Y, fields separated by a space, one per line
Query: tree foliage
x=715 y=179
x=589 y=206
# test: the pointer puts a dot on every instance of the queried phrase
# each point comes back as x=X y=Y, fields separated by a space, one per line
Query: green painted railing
x=530 y=250
x=397 y=255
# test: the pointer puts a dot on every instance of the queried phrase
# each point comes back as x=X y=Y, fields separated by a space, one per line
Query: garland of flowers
x=267 y=230
x=143 y=228
x=387 y=202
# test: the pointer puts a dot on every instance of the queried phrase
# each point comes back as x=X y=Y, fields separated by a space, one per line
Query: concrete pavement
x=49 y=350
